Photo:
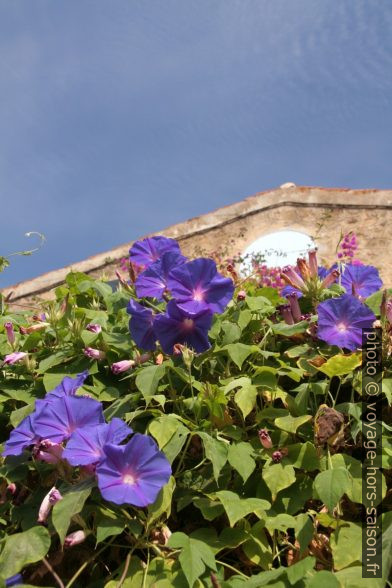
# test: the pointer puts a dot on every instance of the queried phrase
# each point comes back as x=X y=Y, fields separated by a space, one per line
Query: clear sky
x=122 y=117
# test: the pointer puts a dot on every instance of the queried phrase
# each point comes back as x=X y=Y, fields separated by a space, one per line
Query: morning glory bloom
x=197 y=286
x=133 y=473
x=141 y=325
x=67 y=387
x=21 y=437
x=148 y=250
x=178 y=326
x=341 y=320
x=57 y=420
x=153 y=281
x=85 y=445
x=361 y=280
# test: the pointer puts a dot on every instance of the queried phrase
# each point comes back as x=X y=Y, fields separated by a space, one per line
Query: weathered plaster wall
x=367 y=212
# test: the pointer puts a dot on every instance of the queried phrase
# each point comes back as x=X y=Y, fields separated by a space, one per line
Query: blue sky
x=121 y=118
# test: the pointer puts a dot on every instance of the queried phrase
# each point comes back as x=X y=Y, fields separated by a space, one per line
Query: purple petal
x=153 y=281
x=21 y=437
x=141 y=325
x=85 y=445
x=133 y=473
x=177 y=326
x=197 y=285
x=60 y=418
x=148 y=250
x=361 y=280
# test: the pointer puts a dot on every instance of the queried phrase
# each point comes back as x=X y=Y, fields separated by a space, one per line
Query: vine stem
x=232 y=568
x=183 y=454
x=86 y=563
x=54 y=574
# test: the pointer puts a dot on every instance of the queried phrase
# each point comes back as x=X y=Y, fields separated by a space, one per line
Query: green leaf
x=107 y=526
x=52 y=360
x=304 y=530
x=238 y=352
x=340 y=364
x=323 y=578
x=148 y=379
x=19 y=414
x=231 y=332
x=63 y=511
x=195 y=556
x=240 y=458
x=257 y=548
x=163 y=502
x=280 y=522
x=23 y=549
x=163 y=429
x=290 y=424
x=290 y=330
x=237 y=508
x=303 y=456
x=209 y=509
x=277 y=477
x=299 y=570
x=216 y=451
x=259 y=303
x=245 y=399
x=346 y=545
x=330 y=486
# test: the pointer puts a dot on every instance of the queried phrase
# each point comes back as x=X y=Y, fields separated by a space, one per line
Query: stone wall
x=309 y=210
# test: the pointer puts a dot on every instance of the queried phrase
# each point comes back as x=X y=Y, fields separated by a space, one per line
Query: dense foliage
x=211 y=425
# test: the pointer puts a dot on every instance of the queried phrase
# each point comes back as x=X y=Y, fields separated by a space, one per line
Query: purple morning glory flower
x=153 y=281
x=197 y=286
x=341 y=320
x=178 y=326
x=67 y=387
x=85 y=445
x=141 y=325
x=133 y=473
x=361 y=280
x=148 y=250
x=57 y=420
x=21 y=437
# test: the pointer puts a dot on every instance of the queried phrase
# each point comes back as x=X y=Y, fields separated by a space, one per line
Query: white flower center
x=342 y=327
x=198 y=295
x=129 y=479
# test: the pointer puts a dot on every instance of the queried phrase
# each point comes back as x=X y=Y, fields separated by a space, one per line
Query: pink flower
x=49 y=452
x=14 y=357
x=93 y=328
x=241 y=295
x=75 y=538
x=122 y=366
x=265 y=439
x=94 y=353
x=48 y=502
x=10 y=332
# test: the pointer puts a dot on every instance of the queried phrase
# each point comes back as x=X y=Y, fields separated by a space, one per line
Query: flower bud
x=122 y=366
x=49 y=452
x=265 y=439
x=330 y=278
x=93 y=328
x=303 y=268
x=10 y=332
x=75 y=538
x=285 y=311
x=14 y=357
x=50 y=500
x=277 y=456
x=94 y=353
x=294 y=306
x=313 y=265
x=33 y=328
x=159 y=359
x=16 y=580
x=241 y=295
x=292 y=278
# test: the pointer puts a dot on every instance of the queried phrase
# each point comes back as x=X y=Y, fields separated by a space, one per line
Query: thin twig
x=54 y=574
x=125 y=570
